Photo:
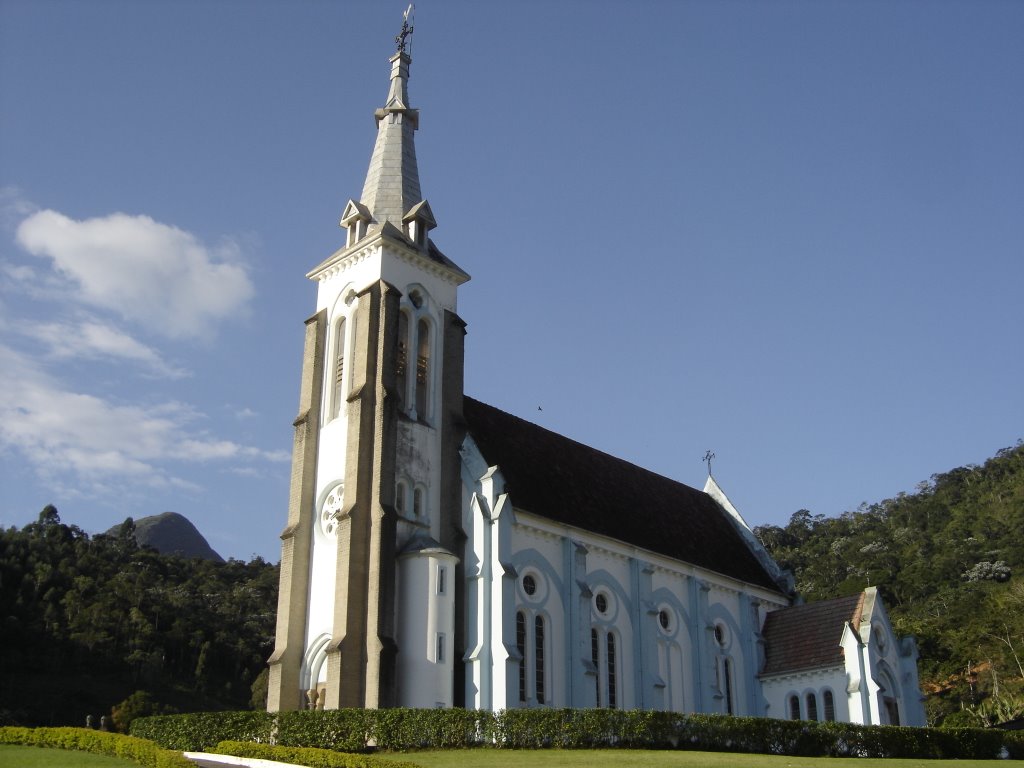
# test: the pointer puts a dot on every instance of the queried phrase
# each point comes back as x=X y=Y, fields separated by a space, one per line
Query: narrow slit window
x=402 y=359
x=521 y=647
x=538 y=657
x=417 y=502
x=422 y=367
x=442 y=574
x=730 y=706
x=439 y=650
x=339 y=368
x=612 y=699
x=595 y=657
x=892 y=709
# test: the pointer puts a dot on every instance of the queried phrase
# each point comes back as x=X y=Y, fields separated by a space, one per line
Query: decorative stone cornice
x=803 y=674
x=344 y=259
x=609 y=547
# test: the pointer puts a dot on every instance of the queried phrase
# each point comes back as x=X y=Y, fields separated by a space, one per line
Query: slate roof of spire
x=807 y=636
x=391 y=191
x=392 y=185
x=567 y=482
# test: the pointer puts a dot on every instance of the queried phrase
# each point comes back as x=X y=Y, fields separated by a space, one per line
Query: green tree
x=946 y=558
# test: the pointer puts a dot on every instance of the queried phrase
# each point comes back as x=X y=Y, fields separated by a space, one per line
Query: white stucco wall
x=426 y=628
x=680 y=666
x=778 y=690
x=418 y=446
x=876 y=665
x=891 y=667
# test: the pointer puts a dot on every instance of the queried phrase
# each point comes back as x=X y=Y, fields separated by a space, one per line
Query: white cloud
x=13 y=207
x=91 y=340
x=244 y=472
x=19 y=273
x=158 y=275
x=100 y=445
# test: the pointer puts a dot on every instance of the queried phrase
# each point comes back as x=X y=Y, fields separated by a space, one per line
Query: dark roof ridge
x=583 y=445
x=857 y=599
x=573 y=484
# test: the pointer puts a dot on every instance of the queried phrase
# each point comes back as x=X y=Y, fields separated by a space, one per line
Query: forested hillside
x=949 y=560
x=86 y=621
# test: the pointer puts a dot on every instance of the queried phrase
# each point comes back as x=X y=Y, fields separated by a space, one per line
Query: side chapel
x=440 y=552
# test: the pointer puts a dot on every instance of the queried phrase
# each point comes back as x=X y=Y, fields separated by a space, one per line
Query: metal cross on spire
x=707 y=460
x=407 y=29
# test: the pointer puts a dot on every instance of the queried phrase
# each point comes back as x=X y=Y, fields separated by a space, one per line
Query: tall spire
x=392 y=186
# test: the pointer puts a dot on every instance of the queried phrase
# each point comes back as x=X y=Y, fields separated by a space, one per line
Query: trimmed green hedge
x=308 y=756
x=358 y=730
x=196 y=731
x=138 y=750
x=352 y=730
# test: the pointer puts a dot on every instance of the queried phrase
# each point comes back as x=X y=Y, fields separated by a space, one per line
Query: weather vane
x=401 y=37
x=707 y=460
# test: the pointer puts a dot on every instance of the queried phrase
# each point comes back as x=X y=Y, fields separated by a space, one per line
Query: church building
x=440 y=552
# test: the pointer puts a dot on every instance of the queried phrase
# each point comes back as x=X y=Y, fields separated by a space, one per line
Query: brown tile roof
x=807 y=636
x=567 y=482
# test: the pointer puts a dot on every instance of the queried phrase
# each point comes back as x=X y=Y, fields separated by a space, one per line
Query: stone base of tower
x=284 y=690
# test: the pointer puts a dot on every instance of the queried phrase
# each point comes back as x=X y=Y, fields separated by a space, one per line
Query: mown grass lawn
x=617 y=758
x=14 y=756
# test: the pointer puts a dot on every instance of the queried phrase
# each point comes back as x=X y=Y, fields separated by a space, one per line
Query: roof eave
x=392 y=237
x=555 y=527
x=801 y=671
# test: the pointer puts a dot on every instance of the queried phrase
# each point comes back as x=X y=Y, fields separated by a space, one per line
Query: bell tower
x=369 y=608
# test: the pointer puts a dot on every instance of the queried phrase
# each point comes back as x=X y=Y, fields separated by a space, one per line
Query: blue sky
x=788 y=232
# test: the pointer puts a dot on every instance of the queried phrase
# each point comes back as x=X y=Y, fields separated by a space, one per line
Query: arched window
x=521 y=647
x=889 y=700
x=730 y=705
x=402 y=362
x=417 y=503
x=422 y=367
x=830 y=705
x=400 y=493
x=339 y=368
x=892 y=710
x=595 y=656
x=538 y=657
x=794 y=707
x=812 y=707
x=314 y=674
x=612 y=679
